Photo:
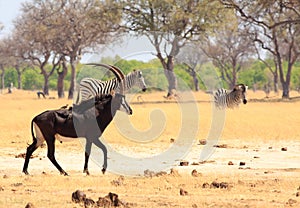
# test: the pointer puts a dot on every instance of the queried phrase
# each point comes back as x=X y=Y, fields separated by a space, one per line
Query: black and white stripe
x=90 y=87
x=223 y=99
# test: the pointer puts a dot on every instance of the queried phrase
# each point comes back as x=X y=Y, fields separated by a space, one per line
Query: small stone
x=291 y=202
x=172 y=140
x=184 y=163
x=298 y=194
x=195 y=173
x=88 y=203
x=205 y=185
x=183 y=192
x=202 y=142
x=284 y=149
x=29 y=205
x=215 y=184
x=78 y=196
x=230 y=163
x=221 y=146
x=242 y=163
x=223 y=185
x=149 y=173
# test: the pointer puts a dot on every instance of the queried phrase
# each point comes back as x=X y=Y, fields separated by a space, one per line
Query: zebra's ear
x=241 y=87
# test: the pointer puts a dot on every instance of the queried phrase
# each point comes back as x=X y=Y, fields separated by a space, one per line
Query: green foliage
x=295 y=79
x=184 y=79
x=89 y=71
x=32 y=80
x=11 y=76
x=256 y=73
x=209 y=77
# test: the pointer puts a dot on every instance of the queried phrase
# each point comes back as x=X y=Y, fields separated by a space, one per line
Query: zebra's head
x=139 y=80
x=242 y=89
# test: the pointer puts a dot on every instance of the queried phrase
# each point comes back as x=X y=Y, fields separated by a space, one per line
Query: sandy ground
x=261 y=140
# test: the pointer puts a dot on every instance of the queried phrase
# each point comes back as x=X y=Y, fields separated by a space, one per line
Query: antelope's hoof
x=86 y=171
x=25 y=172
x=103 y=170
x=64 y=173
x=244 y=101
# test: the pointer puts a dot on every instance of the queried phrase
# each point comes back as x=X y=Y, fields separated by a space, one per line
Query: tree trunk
x=285 y=90
x=60 y=80
x=2 y=79
x=46 y=85
x=172 y=81
x=234 y=76
x=171 y=77
x=60 y=85
x=195 y=79
x=169 y=73
x=73 y=78
x=286 y=84
x=19 y=79
x=275 y=80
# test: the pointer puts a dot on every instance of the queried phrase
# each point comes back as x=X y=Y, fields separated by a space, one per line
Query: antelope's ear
x=112 y=93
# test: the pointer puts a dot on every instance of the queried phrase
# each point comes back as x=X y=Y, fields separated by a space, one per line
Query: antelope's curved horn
x=122 y=81
x=117 y=72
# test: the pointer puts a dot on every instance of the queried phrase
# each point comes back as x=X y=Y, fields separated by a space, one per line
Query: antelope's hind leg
x=88 y=147
x=99 y=144
x=51 y=151
x=30 y=149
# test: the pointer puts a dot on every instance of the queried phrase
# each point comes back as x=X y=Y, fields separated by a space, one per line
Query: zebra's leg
x=30 y=149
x=88 y=147
x=51 y=151
x=99 y=144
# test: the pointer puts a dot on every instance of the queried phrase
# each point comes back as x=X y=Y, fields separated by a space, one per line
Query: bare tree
x=229 y=49
x=59 y=31
x=85 y=24
x=15 y=53
x=192 y=57
x=273 y=68
x=5 y=59
x=36 y=36
x=169 y=25
x=274 y=26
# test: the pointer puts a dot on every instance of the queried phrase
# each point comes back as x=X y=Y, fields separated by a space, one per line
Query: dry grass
x=248 y=131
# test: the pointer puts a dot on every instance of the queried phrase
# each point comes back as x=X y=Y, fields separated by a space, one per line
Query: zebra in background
x=89 y=87
x=223 y=99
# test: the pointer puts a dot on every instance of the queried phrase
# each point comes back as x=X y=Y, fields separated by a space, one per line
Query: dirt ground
x=256 y=159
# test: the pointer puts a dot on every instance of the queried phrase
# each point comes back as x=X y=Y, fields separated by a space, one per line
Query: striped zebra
x=89 y=87
x=223 y=99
